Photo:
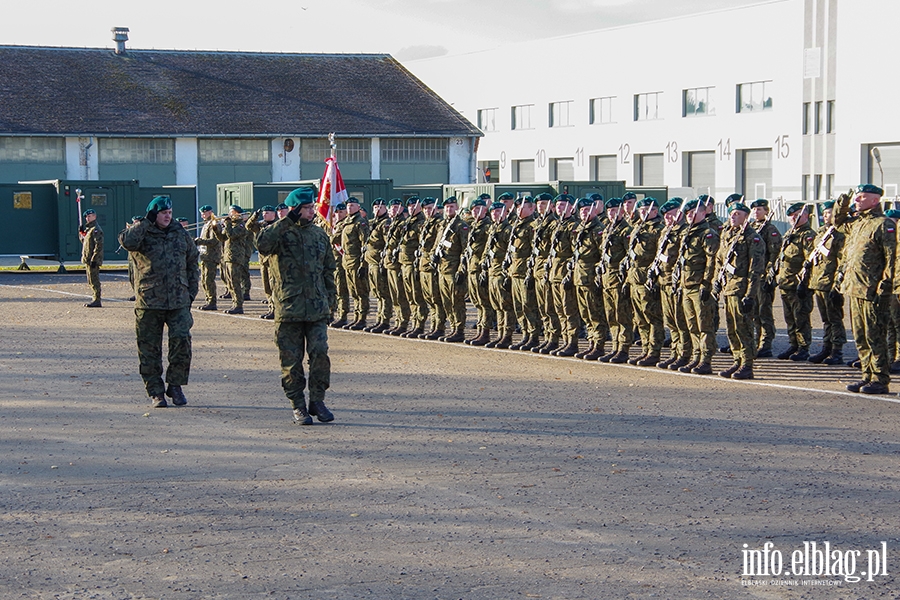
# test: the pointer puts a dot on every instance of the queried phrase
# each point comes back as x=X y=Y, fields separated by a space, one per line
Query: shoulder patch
x=890 y=230
x=708 y=235
x=774 y=233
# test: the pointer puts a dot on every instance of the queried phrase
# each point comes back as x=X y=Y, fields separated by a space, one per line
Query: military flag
x=332 y=191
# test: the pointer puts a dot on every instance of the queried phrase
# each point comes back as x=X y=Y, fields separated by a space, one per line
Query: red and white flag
x=332 y=191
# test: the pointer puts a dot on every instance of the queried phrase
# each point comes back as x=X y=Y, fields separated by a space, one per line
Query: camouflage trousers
x=294 y=340
x=342 y=291
x=266 y=278
x=417 y=304
x=480 y=297
x=832 y=320
x=869 y=321
x=378 y=283
x=546 y=307
x=673 y=315
x=453 y=296
x=893 y=333
x=431 y=292
x=590 y=305
x=699 y=317
x=797 y=313
x=208 y=280
x=93 y=278
x=148 y=327
x=739 y=328
x=501 y=302
x=525 y=307
x=648 y=318
x=566 y=309
x=764 y=318
x=238 y=281
x=618 y=314
x=358 y=286
x=398 y=297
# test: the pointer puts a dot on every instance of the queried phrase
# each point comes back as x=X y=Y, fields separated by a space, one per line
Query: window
x=521 y=116
x=805 y=192
x=523 y=170
x=488 y=171
x=698 y=102
x=487 y=119
x=417 y=150
x=136 y=150
x=820 y=117
x=817 y=187
x=22 y=200
x=701 y=171
x=646 y=106
x=560 y=114
x=605 y=167
x=234 y=151
x=754 y=97
x=829 y=118
x=829 y=186
x=562 y=169
x=650 y=169
x=602 y=110
x=807 y=116
x=756 y=173
x=32 y=149
x=348 y=150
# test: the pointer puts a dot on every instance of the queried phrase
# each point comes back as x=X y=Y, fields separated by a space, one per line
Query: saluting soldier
x=394 y=268
x=763 y=314
x=478 y=278
x=518 y=255
x=540 y=254
x=431 y=291
x=796 y=299
x=378 y=280
x=342 y=302
x=822 y=267
x=868 y=267
x=92 y=254
x=354 y=235
x=452 y=277
x=499 y=284
x=646 y=304
x=740 y=265
x=236 y=257
x=696 y=266
x=587 y=249
x=210 y=248
x=616 y=298
x=562 y=282
x=254 y=226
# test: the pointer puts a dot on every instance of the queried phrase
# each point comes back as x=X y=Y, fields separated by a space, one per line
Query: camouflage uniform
x=166 y=281
x=646 y=304
x=409 y=253
x=210 y=248
x=797 y=301
x=827 y=248
x=587 y=246
x=236 y=259
x=564 y=299
x=524 y=299
x=428 y=274
x=477 y=279
x=763 y=316
x=304 y=292
x=499 y=283
x=543 y=233
x=616 y=300
x=672 y=307
x=354 y=234
x=451 y=245
x=395 y=275
x=378 y=281
x=342 y=299
x=92 y=256
x=697 y=263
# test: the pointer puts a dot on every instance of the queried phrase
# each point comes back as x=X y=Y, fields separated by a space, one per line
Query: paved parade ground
x=449 y=471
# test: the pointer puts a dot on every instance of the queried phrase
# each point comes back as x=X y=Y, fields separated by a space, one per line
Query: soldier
x=511 y=203
x=448 y=256
x=821 y=271
x=134 y=221
x=796 y=299
x=540 y=258
x=712 y=219
x=166 y=283
x=210 y=249
x=732 y=199
x=354 y=234
x=342 y=302
x=629 y=200
x=696 y=266
x=868 y=267
x=763 y=315
x=236 y=259
x=254 y=226
x=645 y=301
x=893 y=333
x=394 y=270
x=410 y=250
x=428 y=273
x=499 y=284
x=92 y=254
x=562 y=284
x=616 y=298
x=518 y=255
x=477 y=278
x=378 y=281
x=740 y=265
x=587 y=248
x=304 y=293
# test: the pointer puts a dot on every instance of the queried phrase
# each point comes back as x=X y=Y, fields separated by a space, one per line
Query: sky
x=407 y=29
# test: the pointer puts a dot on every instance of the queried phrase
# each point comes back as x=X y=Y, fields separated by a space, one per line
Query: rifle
x=628 y=260
x=655 y=269
x=727 y=268
x=785 y=242
x=444 y=241
x=605 y=256
x=819 y=252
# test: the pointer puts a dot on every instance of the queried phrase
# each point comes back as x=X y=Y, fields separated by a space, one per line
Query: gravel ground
x=449 y=472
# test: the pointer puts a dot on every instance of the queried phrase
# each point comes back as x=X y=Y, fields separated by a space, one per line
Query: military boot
x=745 y=372
x=530 y=343
x=159 y=401
x=819 y=357
x=704 y=368
x=800 y=355
x=434 y=334
x=226 y=296
x=493 y=343
x=664 y=364
x=359 y=325
x=234 y=310
x=550 y=346
x=412 y=333
x=727 y=373
x=570 y=349
x=484 y=336
x=787 y=353
x=873 y=387
x=209 y=306
x=505 y=341
x=174 y=392
x=648 y=361
x=595 y=353
x=835 y=358
x=318 y=409
x=637 y=359
x=455 y=337
x=689 y=366
x=398 y=330
x=619 y=357
x=301 y=416
x=93 y=304
x=764 y=352
x=518 y=345
x=680 y=363
x=269 y=315
x=372 y=328
x=606 y=357
x=584 y=353
x=336 y=323
x=539 y=346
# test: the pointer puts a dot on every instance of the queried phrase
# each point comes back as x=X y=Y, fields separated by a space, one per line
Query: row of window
x=818 y=117
x=224 y=151
x=749 y=97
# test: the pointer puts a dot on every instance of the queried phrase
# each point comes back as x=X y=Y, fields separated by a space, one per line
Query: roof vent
x=120 y=36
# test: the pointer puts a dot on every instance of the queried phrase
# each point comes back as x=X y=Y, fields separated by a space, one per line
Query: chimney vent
x=120 y=36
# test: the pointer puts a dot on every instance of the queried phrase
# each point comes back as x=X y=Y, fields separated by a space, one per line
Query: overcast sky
x=408 y=29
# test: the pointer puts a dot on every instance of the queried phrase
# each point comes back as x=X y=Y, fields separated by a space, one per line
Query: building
x=202 y=118
x=782 y=99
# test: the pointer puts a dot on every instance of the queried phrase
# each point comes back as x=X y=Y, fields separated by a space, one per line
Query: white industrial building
x=782 y=99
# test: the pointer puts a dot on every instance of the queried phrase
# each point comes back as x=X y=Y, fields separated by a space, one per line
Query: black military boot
x=620 y=357
x=209 y=306
x=637 y=359
x=873 y=387
x=158 y=401
x=318 y=409
x=800 y=355
x=226 y=296
x=664 y=364
x=608 y=356
x=570 y=349
x=687 y=368
x=727 y=373
x=93 y=304
x=787 y=353
x=539 y=346
x=681 y=362
x=648 y=361
x=269 y=315
x=835 y=358
x=398 y=330
x=484 y=336
x=359 y=325
x=596 y=353
x=745 y=372
x=434 y=334
x=338 y=322
x=584 y=353
x=703 y=368
x=550 y=346
x=504 y=342
x=820 y=356
x=856 y=385
x=174 y=392
x=301 y=416
x=234 y=310
x=412 y=333
x=455 y=337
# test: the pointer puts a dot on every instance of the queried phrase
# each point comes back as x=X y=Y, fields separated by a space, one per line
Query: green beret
x=450 y=200
x=629 y=196
x=565 y=198
x=759 y=202
x=439 y=205
x=868 y=188
x=205 y=208
x=505 y=196
x=89 y=211
x=582 y=202
x=138 y=217
x=649 y=201
x=738 y=206
x=796 y=207
x=614 y=202
x=484 y=197
x=497 y=204
x=892 y=214
x=160 y=203
x=395 y=201
x=181 y=219
x=301 y=197
x=828 y=205
x=412 y=200
x=544 y=197
x=706 y=199
x=236 y=208
x=733 y=198
x=525 y=200
x=479 y=202
x=667 y=206
x=352 y=200
x=691 y=204
x=281 y=206
x=596 y=197
x=378 y=202
x=677 y=200
x=268 y=208
x=428 y=201
x=341 y=206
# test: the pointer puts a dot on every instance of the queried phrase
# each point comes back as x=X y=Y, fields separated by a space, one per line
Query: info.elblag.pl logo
x=815 y=559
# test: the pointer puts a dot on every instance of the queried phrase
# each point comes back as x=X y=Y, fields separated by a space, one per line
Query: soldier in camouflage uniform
x=645 y=302
x=796 y=299
x=342 y=301
x=378 y=280
x=92 y=254
x=629 y=201
x=499 y=283
x=254 y=225
x=354 y=234
x=210 y=248
x=616 y=298
x=394 y=269
x=518 y=254
x=236 y=258
x=696 y=265
x=447 y=256
x=587 y=243
x=304 y=291
x=740 y=265
x=410 y=250
x=821 y=268
x=868 y=266
x=763 y=315
x=562 y=284
x=166 y=282
x=893 y=332
x=543 y=234
x=428 y=273
x=477 y=277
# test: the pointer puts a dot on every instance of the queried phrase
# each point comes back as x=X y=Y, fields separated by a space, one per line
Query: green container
x=30 y=211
